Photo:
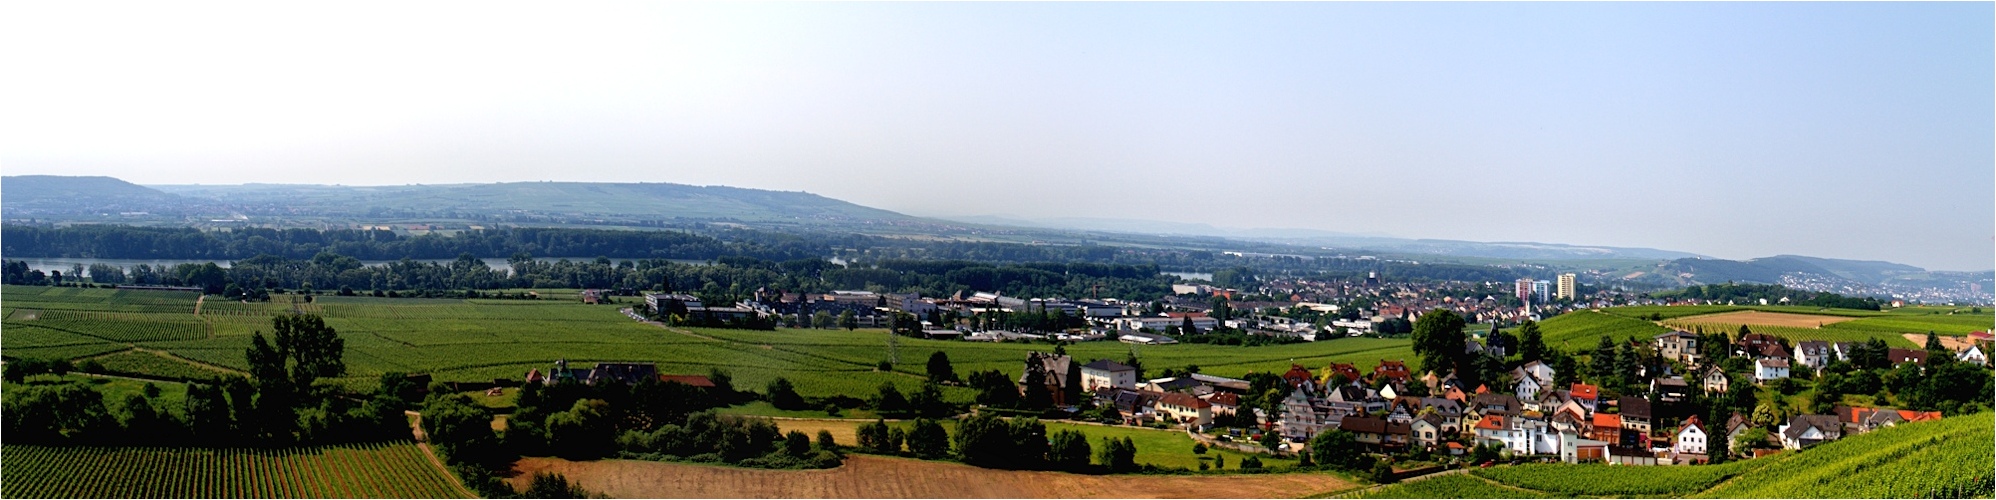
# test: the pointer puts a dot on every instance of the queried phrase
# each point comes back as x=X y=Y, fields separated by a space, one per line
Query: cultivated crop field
x=1579 y=330
x=1618 y=481
x=866 y=476
x=1164 y=448
x=1764 y=318
x=378 y=470
x=1946 y=459
x=1456 y=485
x=484 y=339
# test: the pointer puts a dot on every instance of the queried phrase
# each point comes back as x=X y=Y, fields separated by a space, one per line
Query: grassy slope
x=1579 y=330
x=1950 y=458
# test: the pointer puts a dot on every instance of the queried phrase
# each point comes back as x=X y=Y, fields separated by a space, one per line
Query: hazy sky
x=1849 y=130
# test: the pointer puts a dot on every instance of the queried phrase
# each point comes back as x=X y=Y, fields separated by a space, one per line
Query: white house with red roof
x=1691 y=438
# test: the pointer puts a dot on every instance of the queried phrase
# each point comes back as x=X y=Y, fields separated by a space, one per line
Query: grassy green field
x=484 y=339
x=1579 y=330
x=376 y=470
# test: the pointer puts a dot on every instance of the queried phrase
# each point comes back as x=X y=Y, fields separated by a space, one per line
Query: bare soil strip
x=1951 y=342
x=1765 y=318
x=865 y=476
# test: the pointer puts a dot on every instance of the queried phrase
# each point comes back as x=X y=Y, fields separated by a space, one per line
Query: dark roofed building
x=1803 y=431
x=626 y=373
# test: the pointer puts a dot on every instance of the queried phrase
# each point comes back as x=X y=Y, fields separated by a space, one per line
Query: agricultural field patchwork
x=1160 y=447
x=485 y=339
x=376 y=470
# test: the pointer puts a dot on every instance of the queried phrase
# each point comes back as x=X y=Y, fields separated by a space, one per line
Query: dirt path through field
x=197 y=304
x=422 y=443
x=865 y=476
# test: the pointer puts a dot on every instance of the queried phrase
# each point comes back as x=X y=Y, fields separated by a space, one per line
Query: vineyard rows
x=1949 y=459
x=376 y=470
x=1610 y=480
x=1448 y=486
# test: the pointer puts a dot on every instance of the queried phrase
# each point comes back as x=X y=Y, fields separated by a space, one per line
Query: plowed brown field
x=865 y=476
x=1764 y=318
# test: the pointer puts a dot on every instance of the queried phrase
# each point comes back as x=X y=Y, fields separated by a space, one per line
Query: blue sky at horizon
x=1737 y=130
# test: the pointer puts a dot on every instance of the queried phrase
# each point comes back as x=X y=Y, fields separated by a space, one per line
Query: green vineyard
x=378 y=470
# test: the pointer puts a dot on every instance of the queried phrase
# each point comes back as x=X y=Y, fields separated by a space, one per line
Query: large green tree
x=1531 y=343
x=1439 y=340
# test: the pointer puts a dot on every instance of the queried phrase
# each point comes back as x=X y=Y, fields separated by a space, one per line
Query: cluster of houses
x=1192 y=401
x=1572 y=422
x=611 y=373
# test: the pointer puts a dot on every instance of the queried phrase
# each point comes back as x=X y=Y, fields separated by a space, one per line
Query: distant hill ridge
x=90 y=198
x=28 y=195
x=655 y=200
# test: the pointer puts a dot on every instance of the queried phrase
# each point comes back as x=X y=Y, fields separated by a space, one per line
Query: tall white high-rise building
x=1567 y=287
x=1543 y=290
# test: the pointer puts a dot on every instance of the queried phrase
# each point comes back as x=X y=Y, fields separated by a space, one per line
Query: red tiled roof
x=1607 y=420
x=1297 y=375
x=692 y=380
x=1183 y=400
x=1349 y=370
x=1585 y=391
x=1224 y=399
x=1491 y=422
x=1917 y=416
x=1392 y=369
x=1182 y=315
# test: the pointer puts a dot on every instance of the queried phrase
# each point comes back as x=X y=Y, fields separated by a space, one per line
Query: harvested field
x=865 y=476
x=1951 y=342
x=1764 y=318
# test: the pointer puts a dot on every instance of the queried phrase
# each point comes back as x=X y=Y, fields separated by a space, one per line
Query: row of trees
x=725 y=282
x=1745 y=293
x=279 y=404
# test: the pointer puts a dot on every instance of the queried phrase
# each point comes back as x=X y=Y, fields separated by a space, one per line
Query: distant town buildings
x=1567 y=287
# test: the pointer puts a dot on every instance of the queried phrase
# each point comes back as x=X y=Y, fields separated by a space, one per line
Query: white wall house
x=1770 y=369
x=1691 y=439
x=1105 y=373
